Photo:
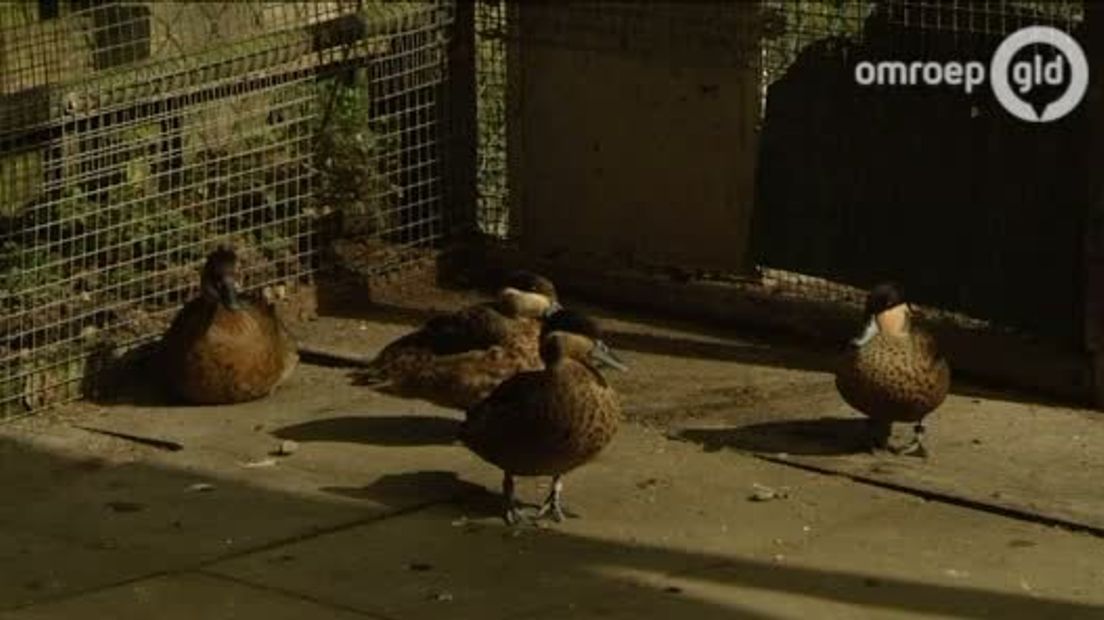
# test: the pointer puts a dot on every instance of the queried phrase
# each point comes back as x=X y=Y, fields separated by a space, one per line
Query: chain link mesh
x=925 y=184
x=137 y=136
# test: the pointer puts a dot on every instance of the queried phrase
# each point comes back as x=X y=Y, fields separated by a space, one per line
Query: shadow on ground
x=375 y=430
x=419 y=486
x=65 y=511
x=817 y=437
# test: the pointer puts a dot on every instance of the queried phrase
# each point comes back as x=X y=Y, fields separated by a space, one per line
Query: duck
x=893 y=371
x=549 y=422
x=456 y=360
x=222 y=348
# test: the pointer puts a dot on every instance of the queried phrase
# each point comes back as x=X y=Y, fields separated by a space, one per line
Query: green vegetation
x=354 y=155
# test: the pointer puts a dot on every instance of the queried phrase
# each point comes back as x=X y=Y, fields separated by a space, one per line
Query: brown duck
x=224 y=349
x=548 y=422
x=894 y=371
x=456 y=360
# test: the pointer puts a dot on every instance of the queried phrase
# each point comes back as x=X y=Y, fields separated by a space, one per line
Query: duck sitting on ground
x=456 y=360
x=551 y=421
x=221 y=348
x=893 y=372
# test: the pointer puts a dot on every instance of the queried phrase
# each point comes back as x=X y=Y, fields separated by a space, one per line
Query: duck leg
x=512 y=514
x=916 y=446
x=553 y=504
x=878 y=433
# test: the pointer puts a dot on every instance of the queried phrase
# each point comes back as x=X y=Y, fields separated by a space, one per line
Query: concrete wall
x=637 y=132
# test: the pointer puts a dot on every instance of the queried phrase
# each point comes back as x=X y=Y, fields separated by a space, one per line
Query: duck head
x=571 y=335
x=218 y=281
x=527 y=294
x=886 y=312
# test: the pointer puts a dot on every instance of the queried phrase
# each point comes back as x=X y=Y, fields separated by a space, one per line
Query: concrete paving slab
x=184 y=597
x=38 y=568
x=380 y=513
x=676 y=535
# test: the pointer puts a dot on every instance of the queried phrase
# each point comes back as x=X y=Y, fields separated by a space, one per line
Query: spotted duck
x=893 y=371
x=456 y=360
x=549 y=422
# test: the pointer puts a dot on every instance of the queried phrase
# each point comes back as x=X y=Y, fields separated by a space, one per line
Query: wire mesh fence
x=137 y=136
x=494 y=211
x=977 y=212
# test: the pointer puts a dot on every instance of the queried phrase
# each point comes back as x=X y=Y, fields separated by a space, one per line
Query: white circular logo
x=1069 y=67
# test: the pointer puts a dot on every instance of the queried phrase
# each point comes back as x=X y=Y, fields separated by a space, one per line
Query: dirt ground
x=378 y=513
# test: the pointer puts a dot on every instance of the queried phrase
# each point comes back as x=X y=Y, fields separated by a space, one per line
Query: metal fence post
x=462 y=144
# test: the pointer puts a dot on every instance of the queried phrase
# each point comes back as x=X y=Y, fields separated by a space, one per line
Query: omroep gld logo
x=1039 y=74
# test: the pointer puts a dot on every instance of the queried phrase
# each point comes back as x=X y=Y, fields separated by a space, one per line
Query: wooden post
x=1093 y=304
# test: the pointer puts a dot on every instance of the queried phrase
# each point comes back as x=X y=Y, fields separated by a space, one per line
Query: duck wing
x=515 y=413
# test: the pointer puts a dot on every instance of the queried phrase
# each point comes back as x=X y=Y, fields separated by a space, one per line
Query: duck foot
x=878 y=433
x=553 y=505
x=916 y=446
x=512 y=514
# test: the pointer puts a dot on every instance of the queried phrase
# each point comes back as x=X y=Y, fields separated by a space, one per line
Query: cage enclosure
x=713 y=159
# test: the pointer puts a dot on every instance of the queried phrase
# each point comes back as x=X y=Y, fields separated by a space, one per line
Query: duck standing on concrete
x=456 y=360
x=221 y=348
x=894 y=371
x=548 y=422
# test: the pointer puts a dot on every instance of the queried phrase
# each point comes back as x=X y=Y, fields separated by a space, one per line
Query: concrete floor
x=379 y=514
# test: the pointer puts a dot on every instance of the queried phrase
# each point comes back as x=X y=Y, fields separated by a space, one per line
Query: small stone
x=766 y=494
x=287 y=448
x=419 y=567
x=442 y=597
x=201 y=487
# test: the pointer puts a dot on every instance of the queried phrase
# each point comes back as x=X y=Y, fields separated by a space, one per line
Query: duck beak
x=869 y=332
x=229 y=294
x=553 y=307
x=604 y=356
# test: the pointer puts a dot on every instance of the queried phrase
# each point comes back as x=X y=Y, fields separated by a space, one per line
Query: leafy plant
x=356 y=154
